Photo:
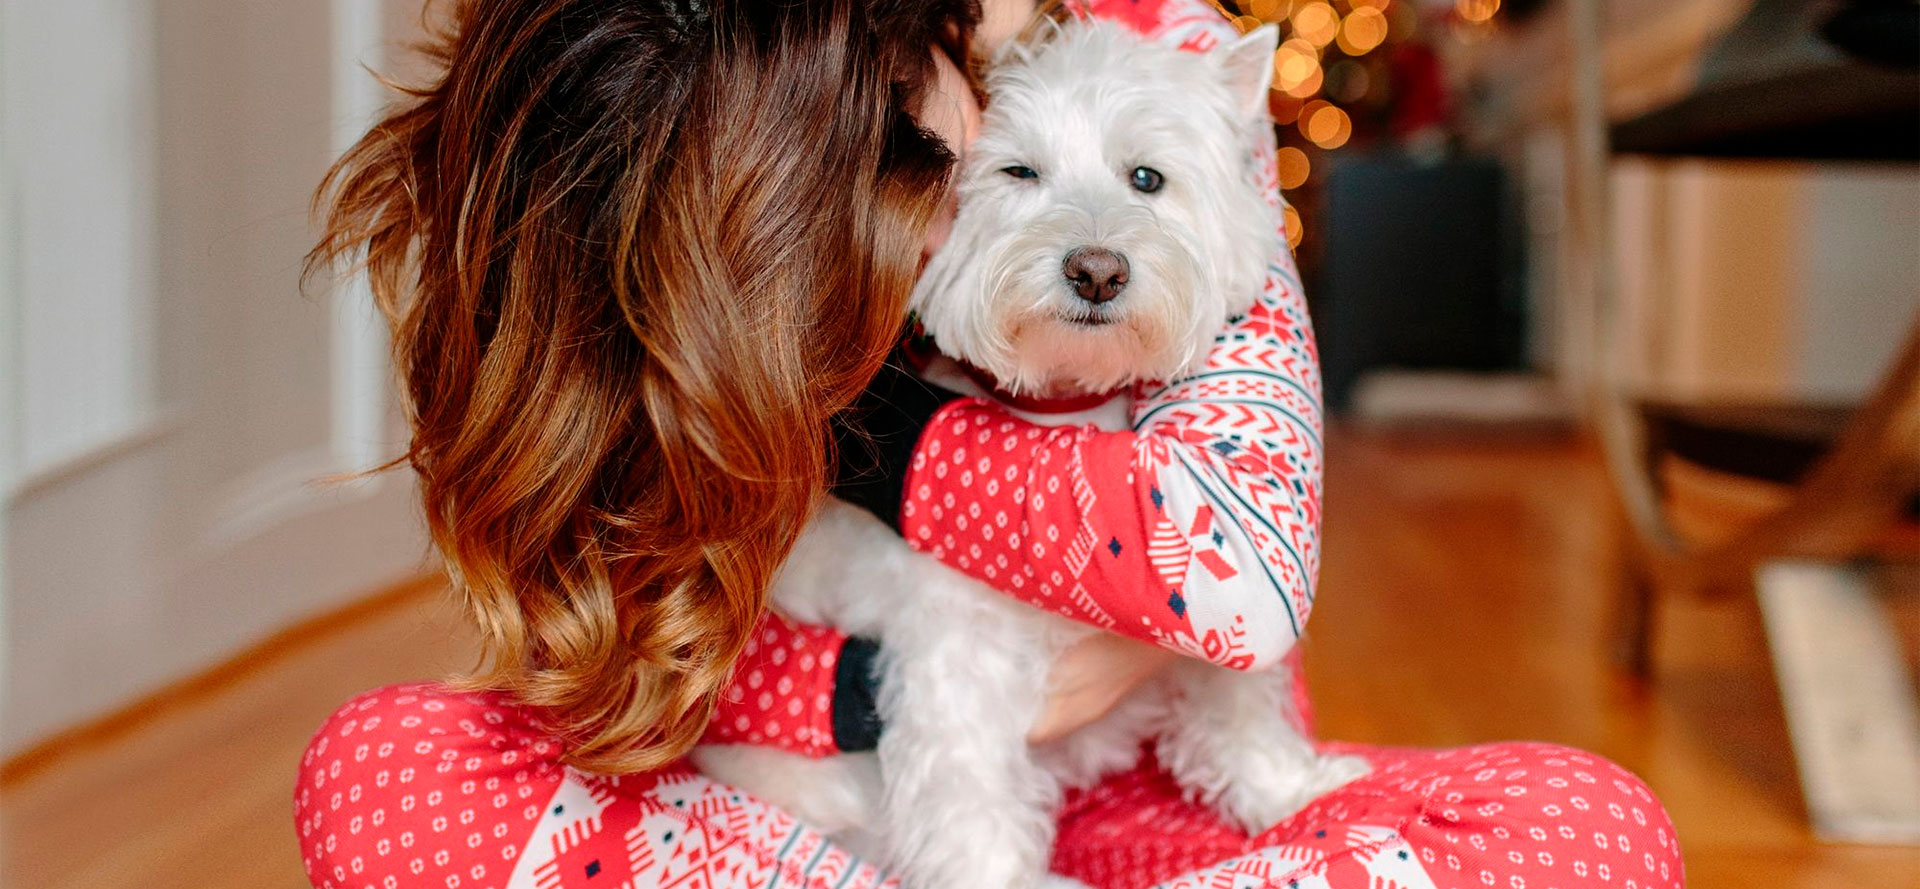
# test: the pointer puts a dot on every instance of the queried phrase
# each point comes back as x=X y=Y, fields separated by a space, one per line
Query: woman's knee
x=413 y=780
x=1514 y=810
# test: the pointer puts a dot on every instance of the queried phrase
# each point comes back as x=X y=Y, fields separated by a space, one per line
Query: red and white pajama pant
x=419 y=786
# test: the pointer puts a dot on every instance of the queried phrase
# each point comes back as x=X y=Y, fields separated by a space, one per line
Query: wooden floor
x=1463 y=598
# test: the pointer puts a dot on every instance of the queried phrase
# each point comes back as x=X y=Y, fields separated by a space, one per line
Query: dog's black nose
x=1096 y=273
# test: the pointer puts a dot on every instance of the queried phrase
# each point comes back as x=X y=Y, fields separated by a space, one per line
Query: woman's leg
x=1511 y=816
x=419 y=786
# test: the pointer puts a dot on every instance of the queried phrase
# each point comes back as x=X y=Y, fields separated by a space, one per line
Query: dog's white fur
x=954 y=798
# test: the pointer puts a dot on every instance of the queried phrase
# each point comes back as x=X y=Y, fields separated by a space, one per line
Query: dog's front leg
x=962 y=679
x=847 y=570
x=1230 y=746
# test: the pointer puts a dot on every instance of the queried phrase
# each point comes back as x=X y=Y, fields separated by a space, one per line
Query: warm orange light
x=1293 y=167
x=1294 y=63
x=1270 y=10
x=1246 y=23
x=1285 y=108
x=1364 y=29
x=1325 y=125
x=1306 y=89
x=1377 y=5
x=1306 y=116
x=1476 y=10
x=1317 y=22
x=1295 y=231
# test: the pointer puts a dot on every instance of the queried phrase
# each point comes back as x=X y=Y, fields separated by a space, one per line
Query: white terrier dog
x=1108 y=227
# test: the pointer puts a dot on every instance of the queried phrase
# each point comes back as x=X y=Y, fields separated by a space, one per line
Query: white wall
x=1765 y=281
x=1860 y=277
x=84 y=125
x=171 y=395
x=1737 y=279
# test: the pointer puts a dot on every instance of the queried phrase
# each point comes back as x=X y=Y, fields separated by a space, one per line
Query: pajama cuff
x=875 y=439
x=856 y=713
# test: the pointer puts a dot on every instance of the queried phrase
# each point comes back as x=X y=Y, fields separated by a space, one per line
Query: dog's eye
x=1146 y=179
x=1019 y=172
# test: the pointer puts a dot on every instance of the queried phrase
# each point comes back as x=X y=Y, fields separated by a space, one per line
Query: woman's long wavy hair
x=634 y=254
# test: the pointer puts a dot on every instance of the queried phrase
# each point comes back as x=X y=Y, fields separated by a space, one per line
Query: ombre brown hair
x=635 y=254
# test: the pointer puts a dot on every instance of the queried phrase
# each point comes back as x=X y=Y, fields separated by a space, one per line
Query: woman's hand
x=1090 y=679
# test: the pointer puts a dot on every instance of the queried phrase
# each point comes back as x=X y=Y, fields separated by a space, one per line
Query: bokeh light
x=1293 y=167
x=1296 y=64
x=1307 y=88
x=1317 y=22
x=1325 y=125
x=1285 y=108
x=1306 y=115
x=1364 y=29
x=1329 y=56
x=1267 y=9
x=1403 y=19
x=1348 y=81
x=1476 y=10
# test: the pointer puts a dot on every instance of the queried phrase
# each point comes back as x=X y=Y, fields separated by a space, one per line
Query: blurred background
x=1616 y=303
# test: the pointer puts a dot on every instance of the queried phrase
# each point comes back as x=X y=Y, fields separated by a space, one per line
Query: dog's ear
x=1248 y=66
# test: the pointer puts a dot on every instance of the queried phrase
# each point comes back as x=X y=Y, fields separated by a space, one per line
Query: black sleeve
x=875 y=437
x=874 y=441
x=856 y=715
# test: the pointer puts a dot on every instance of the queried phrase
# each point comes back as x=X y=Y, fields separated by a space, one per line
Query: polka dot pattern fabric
x=419 y=786
x=781 y=694
x=416 y=786
x=1512 y=816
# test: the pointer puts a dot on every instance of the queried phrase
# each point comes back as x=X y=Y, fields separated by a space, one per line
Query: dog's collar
x=919 y=349
x=1033 y=404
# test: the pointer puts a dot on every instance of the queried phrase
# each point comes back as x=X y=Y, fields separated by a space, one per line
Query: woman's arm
x=803 y=689
x=812 y=690
x=1198 y=530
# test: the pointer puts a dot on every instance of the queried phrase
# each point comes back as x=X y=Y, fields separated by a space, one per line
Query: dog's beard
x=1066 y=359
x=1000 y=303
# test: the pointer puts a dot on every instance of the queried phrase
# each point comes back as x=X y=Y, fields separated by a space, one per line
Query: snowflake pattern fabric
x=418 y=786
x=421 y=787
x=1198 y=530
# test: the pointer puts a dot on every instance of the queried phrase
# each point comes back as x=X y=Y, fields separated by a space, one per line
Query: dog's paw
x=1274 y=795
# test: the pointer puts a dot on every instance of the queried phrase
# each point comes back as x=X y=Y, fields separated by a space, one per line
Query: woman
x=632 y=250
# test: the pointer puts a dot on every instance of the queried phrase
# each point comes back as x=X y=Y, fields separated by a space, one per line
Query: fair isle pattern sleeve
x=1198 y=530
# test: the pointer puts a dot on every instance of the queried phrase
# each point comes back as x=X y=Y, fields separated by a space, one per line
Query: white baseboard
x=1849 y=702
x=1402 y=396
